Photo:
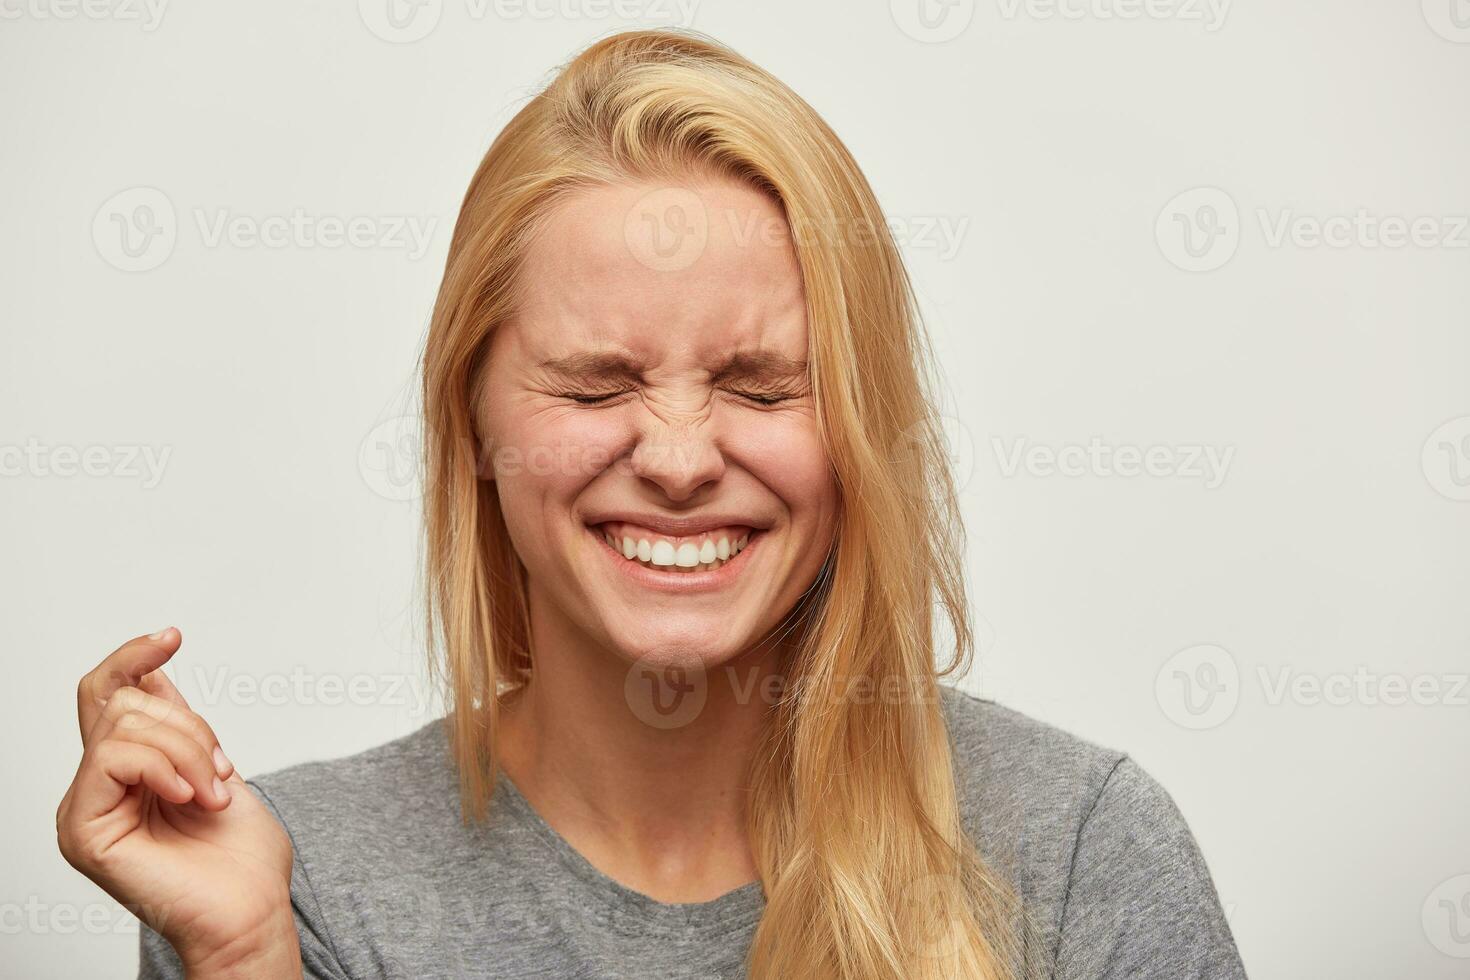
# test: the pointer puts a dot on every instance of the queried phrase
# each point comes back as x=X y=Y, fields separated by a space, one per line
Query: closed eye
x=586 y=399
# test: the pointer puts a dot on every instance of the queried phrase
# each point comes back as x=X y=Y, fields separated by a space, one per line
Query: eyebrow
x=742 y=365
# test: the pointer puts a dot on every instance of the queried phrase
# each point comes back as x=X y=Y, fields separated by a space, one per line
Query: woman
x=687 y=522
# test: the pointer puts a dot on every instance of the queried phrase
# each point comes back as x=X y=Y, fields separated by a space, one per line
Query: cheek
x=543 y=459
x=786 y=454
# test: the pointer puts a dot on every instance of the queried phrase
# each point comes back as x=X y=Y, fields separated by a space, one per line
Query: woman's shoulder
x=1016 y=772
x=357 y=795
x=1017 y=760
x=1098 y=851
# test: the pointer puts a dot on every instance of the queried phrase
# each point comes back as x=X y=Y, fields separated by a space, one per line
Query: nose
x=679 y=458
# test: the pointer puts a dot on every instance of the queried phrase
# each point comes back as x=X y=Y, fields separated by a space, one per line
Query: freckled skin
x=674 y=440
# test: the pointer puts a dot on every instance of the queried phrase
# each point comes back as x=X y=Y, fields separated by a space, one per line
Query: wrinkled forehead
x=682 y=272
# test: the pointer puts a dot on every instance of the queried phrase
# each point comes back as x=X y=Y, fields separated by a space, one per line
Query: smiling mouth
x=675 y=555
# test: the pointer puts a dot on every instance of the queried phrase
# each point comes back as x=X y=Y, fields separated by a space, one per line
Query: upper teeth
x=703 y=552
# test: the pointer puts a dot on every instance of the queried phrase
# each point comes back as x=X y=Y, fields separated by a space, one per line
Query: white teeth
x=706 y=555
x=663 y=553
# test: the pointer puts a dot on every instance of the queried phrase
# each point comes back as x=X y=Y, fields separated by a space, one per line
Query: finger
x=161 y=685
x=187 y=756
x=132 y=700
x=111 y=766
x=124 y=667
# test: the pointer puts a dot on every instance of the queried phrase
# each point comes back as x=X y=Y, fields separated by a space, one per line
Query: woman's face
x=654 y=442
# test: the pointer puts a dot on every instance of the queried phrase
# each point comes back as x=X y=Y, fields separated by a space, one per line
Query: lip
x=679 y=583
x=677 y=527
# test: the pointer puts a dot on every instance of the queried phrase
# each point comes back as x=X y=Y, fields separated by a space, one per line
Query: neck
x=651 y=788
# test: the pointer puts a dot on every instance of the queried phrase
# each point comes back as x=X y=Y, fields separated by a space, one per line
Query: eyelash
x=764 y=400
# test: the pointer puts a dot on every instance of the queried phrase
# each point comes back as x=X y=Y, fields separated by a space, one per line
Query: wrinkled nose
x=679 y=458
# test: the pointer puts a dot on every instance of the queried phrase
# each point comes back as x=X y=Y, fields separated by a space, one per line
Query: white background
x=1053 y=143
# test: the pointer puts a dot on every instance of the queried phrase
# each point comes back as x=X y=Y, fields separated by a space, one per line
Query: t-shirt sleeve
x=158 y=961
x=1140 y=902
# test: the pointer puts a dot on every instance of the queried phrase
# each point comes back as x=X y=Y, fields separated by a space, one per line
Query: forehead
x=672 y=274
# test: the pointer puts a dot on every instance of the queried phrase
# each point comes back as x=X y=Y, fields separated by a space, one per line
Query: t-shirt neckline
x=736 y=908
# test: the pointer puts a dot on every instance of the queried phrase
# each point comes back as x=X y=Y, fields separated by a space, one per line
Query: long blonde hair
x=855 y=824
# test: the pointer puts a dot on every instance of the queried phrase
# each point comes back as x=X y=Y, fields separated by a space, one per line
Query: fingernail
x=185 y=785
x=160 y=634
x=219 y=790
x=221 y=764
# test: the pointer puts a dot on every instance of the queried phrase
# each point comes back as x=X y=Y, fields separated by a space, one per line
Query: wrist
x=270 y=952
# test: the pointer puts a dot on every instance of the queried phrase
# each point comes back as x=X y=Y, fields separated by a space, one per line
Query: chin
x=689 y=647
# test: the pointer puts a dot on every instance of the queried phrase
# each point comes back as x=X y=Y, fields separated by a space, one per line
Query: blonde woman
x=688 y=526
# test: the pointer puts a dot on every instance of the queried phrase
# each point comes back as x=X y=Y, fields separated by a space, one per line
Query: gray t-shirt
x=389 y=883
